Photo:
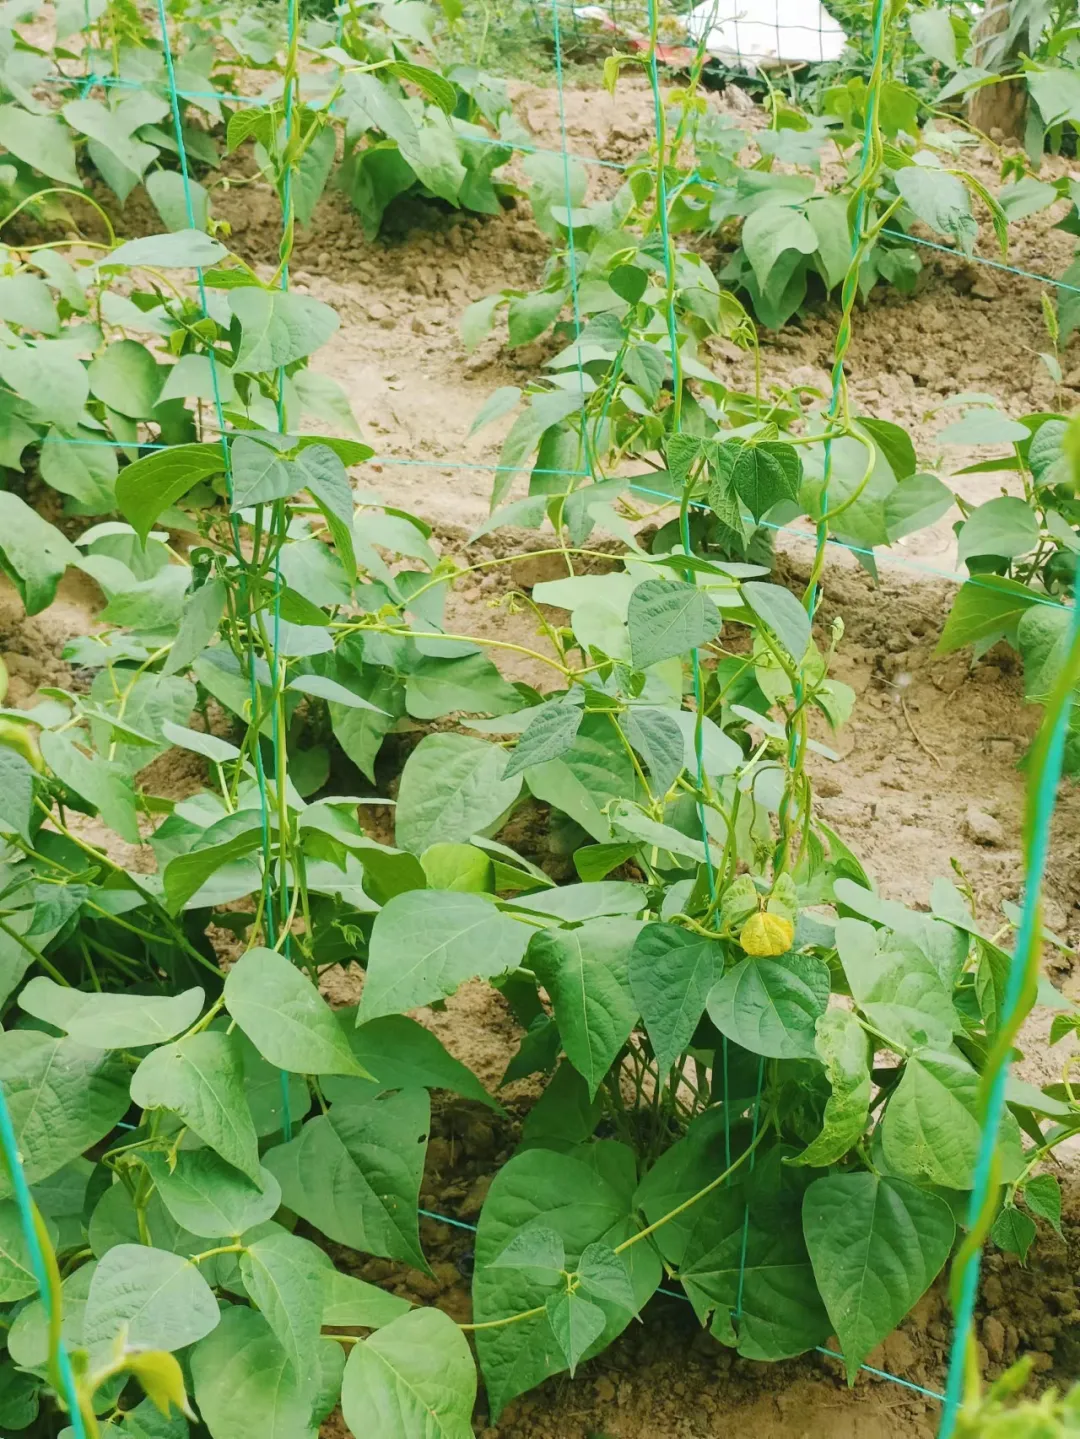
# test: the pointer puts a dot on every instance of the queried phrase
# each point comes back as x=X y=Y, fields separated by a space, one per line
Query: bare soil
x=930 y=756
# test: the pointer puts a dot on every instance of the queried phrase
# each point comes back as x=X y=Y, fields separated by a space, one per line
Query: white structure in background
x=766 y=32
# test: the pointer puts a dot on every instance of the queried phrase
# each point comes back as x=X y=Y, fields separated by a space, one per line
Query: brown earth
x=926 y=770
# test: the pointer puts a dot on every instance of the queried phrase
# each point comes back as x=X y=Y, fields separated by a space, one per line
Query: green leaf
x=201 y=1079
x=16 y=793
x=548 y=735
x=1042 y=1195
x=245 y=1385
x=17 y=1279
x=606 y=1275
x=452 y=787
x=941 y=201
x=323 y=470
x=198 y=625
x=584 y=970
x=26 y=301
x=126 y=377
x=332 y=692
x=62 y=1096
x=460 y=867
x=355 y=1174
x=750 y=1255
x=1013 y=1231
x=41 y=141
x=259 y=474
x=591 y=774
x=841 y=1044
x=584 y=1200
x=672 y=972
x=227 y=840
x=147 y=488
x=208 y=1197
x=666 y=618
x=771 y=1006
x=916 y=503
x=414 y=1377
x=985 y=425
x=310 y=176
x=894 y=444
x=770 y=231
x=282 y=1277
x=576 y=1324
x=85 y=472
x=1043 y=638
x=278 y=327
x=1005 y=527
x=285 y=1016
x=658 y=738
x=540 y=1250
x=897 y=985
x=433 y=85
x=349 y=1302
x=51 y=380
x=781 y=613
x=426 y=943
x=572 y=903
x=934 y=35
x=528 y=316
x=437 y=687
x=110 y=129
x=19 y=1398
x=33 y=553
x=931 y=1127
x=985 y=609
x=765 y=474
x=876 y=1244
x=178 y=250
x=399 y=1052
x=169 y=192
x=149 y=1297
x=111 y=1021
x=1056 y=93
x=28 y=1338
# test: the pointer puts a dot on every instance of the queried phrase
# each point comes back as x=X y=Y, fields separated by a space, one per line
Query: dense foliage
x=759 y=1077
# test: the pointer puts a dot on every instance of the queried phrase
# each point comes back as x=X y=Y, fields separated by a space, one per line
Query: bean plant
x=759 y=1078
x=406 y=127
x=1020 y=549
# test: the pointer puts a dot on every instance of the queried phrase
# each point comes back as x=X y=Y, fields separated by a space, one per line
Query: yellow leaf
x=163 y=1380
x=764 y=935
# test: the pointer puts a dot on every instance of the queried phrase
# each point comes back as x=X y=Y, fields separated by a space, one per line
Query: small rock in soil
x=983 y=828
x=994 y=1337
x=537 y=569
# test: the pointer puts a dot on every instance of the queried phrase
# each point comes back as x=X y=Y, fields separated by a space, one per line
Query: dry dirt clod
x=983 y=828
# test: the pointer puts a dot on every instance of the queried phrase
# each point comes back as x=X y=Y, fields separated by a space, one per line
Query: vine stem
x=511 y=1319
x=695 y=1198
